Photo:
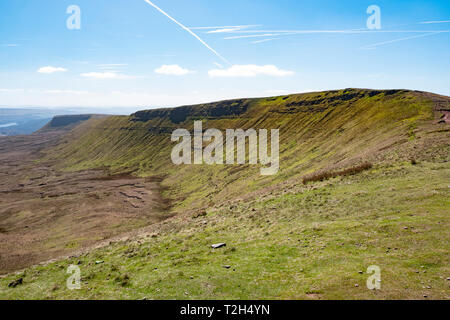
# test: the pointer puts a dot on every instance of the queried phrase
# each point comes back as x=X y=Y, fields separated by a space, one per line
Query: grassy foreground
x=301 y=242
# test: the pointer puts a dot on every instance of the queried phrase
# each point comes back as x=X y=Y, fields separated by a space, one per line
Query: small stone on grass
x=218 y=245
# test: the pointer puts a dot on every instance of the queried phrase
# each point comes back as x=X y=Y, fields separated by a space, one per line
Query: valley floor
x=302 y=242
x=45 y=213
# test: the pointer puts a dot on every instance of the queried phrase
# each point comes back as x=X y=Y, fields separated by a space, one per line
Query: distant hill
x=23 y=121
x=68 y=122
x=19 y=121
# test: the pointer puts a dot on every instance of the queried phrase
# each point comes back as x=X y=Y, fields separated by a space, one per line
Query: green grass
x=299 y=242
x=360 y=122
x=285 y=240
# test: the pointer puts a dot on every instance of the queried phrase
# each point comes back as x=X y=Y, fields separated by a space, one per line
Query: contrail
x=188 y=30
x=358 y=31
x=431 y=22
x=372 y=46
x=265 y=40
x=226 y=27
x=259 y=35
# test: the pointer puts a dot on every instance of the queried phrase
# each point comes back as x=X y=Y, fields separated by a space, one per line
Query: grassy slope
x=301 y=242
x=285 y=240
x=361 y=126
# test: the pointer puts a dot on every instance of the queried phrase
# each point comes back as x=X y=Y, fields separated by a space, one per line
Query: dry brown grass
x=325 y=175
x=45 y=213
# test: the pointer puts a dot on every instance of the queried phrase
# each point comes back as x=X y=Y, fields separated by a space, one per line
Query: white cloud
x=65 y=92
x=105 y=65
x=105 y=75
x=50 y=69
x=11 y=90
x=172 y=70
x=111 y=67
x=55 y=91
x=250 y=70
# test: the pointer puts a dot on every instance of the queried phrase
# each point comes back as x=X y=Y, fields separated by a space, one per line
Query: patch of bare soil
x=441 y=106
x=45 y=214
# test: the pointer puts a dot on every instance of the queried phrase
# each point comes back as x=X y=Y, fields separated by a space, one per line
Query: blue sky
x=128 y=53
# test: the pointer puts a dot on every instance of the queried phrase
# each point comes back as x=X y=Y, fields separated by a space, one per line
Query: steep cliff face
x=318 y=131
x=222 y=109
